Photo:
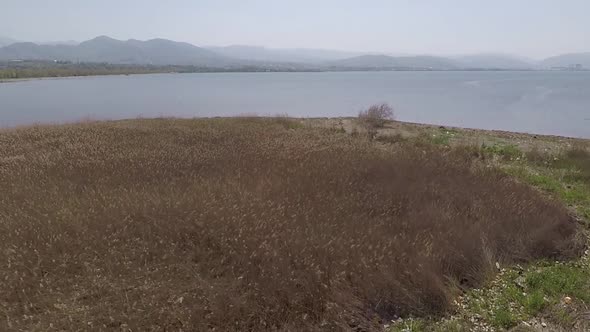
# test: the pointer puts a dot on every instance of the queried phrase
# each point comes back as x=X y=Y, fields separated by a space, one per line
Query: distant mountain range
x=391 y=62
x=295 y=55
x=167 y=52
x=59 y=42
x=567 y=60
x=105 y=49
x=5 y=41
x=500 y=61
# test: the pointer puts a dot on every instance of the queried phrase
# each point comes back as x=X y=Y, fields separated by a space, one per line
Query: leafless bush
x=376 y=116
x=242 y=224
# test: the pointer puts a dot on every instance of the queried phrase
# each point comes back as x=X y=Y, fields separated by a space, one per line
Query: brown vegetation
x=249 y=224
x=375 y=117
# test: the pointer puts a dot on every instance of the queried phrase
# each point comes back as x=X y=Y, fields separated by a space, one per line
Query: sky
x=531 y=28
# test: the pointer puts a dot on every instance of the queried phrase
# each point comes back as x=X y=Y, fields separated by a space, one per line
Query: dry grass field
x=252 y=225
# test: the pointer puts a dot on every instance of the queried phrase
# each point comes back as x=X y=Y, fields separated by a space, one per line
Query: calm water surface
x=536 y=102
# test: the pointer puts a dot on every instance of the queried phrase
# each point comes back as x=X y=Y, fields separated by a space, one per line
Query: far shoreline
x=34 y=78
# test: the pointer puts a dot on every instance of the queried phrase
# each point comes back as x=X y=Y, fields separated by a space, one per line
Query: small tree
x=375 y=117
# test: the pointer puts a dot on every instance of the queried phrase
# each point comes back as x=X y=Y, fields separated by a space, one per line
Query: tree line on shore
x=34 y=69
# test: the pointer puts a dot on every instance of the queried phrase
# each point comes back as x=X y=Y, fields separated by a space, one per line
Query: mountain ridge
x=106 y=49
x=492 y=60
x=568 y=59
x=379 y=61
x=262 y=53
x=159 y=51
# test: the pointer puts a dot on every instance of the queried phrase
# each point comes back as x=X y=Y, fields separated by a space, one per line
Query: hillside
x=105 y=49
x=493 y=61
x=567 y=60
x=477 y=61
x=163 y=52
x=390 y=62
x=302 y=55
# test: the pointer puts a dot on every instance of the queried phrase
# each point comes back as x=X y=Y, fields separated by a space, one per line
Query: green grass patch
x=410 y=325
x=542 y=181
x=519 y=295
x=439 y=137
x=451 y=326
x=503 y=317
x=441 y=325
x=558 y=280
x=504 y=151
x=566 y=177
x=534 y=302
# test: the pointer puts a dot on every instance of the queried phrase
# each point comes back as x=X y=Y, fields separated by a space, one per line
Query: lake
x=555 y=103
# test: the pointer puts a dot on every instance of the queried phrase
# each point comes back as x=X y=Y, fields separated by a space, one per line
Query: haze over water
x=556 y=103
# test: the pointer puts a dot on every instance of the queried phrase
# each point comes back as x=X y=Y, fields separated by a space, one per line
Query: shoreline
x=406 y=127
x=367 y=70
x=25 y=79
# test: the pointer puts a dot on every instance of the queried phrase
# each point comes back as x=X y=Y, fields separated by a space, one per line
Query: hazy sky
x=534 y=28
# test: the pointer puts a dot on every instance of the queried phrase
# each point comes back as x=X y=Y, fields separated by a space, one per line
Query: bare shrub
x=376 y=116
x=245 y=225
